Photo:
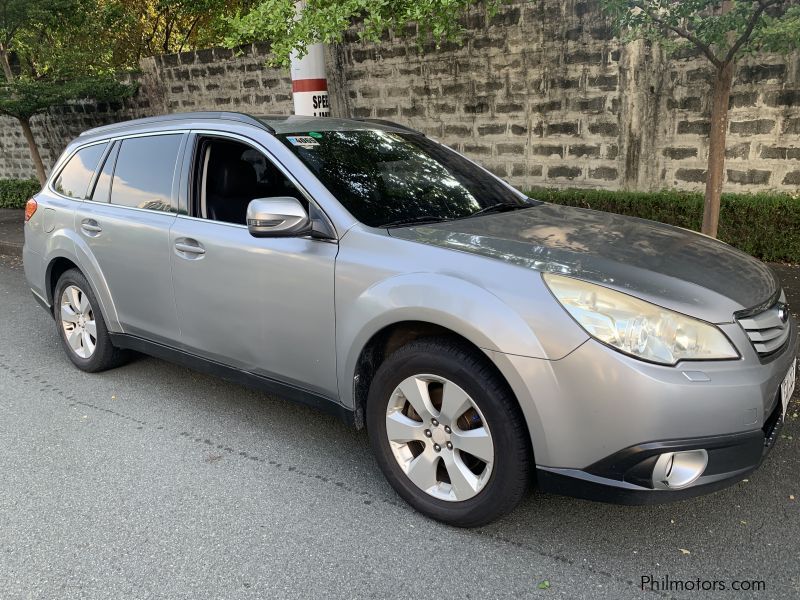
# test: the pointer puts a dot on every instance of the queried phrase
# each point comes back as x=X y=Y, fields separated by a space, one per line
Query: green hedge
x=14 y=193
x=766 y=225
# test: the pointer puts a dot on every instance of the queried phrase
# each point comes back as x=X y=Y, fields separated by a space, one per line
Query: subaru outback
x=484 y=339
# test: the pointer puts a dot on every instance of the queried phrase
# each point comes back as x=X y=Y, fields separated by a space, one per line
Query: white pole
x=309 y=83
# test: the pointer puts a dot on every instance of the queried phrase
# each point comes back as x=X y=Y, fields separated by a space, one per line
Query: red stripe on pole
x=310 y=85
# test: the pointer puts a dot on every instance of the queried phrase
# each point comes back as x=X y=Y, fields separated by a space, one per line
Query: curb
x=10 y=248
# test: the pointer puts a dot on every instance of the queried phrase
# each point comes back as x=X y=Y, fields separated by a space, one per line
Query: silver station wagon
x=485 y=340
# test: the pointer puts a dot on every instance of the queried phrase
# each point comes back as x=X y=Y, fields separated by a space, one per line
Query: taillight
x=30 y=208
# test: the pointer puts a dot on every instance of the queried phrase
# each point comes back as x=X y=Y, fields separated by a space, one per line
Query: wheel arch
x=387 y=340
x=55 y=269
x=65 y=253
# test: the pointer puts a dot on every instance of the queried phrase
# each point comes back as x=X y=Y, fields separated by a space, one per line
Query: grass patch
x=14 y=193
x=765 y=225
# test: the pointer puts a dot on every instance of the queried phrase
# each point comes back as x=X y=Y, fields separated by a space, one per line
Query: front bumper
x=625 y=476
x=599 y=419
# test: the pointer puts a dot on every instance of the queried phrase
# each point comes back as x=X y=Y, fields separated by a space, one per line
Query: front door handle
x=90 y=227
x=189 y=248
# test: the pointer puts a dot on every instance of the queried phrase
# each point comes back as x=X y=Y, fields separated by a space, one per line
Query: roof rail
x=173 y=117
x=388 y=124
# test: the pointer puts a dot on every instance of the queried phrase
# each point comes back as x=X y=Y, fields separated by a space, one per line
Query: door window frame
x=63 y=165
x=176 y=173
x=188 y=178
x=111 y=153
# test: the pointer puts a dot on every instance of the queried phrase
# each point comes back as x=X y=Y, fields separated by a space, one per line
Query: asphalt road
x=152 y=481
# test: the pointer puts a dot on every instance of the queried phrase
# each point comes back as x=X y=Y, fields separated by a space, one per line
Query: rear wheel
x=447 y=433
x=81 y=325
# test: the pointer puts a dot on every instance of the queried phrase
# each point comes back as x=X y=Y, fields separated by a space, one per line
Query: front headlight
x=637 y=327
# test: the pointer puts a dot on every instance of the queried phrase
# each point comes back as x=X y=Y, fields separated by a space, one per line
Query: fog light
x=676 y=470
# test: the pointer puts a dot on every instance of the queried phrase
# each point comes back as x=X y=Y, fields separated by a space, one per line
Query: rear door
x=125 y=225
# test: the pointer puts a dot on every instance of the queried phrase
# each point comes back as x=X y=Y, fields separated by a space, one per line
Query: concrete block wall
x=212 y=79
x=541 y=93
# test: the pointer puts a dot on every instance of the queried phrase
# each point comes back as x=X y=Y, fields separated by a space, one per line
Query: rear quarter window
x=145 y=171
x=74 y=178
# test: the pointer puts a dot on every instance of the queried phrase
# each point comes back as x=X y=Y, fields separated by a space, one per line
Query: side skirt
x=43 y=303
x=245 y=378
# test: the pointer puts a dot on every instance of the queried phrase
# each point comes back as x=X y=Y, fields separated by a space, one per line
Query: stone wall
x=541 y=93
x=213 y=79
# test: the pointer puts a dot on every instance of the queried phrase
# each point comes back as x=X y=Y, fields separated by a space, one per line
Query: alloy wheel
x=77 y=320
x=439 y=437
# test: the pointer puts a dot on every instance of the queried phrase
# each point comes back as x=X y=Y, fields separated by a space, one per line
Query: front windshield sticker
x=303 y=141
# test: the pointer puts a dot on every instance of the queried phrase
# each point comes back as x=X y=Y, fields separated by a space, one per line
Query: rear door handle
x=190 y=247
x=91 y=227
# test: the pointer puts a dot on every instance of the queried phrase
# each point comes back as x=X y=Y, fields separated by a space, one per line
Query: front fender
x=458 y=305
x=65 y=243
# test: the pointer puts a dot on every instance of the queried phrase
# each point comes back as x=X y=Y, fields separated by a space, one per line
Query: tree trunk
x=34 y=149
x=716 y=147
x=25 y=123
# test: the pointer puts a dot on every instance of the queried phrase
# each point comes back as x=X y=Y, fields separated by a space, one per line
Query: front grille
x=768 y=330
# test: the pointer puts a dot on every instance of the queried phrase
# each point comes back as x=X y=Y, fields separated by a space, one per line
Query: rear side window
x=145 y=171
x=74 y=178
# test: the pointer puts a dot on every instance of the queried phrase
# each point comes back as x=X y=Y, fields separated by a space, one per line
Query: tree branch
x=146 y=46
x=188 y=33
x=167 y=35
x=684 y=33
x=9 y=74
x=762 y=6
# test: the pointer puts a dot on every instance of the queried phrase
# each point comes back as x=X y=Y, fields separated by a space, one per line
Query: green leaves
x=62 y=53
x=14 y=193
x=721 y=29
x=277 y=22
x=777 y=33
x=24 y=98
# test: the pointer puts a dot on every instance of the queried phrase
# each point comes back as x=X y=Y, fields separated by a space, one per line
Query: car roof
x=276 y=124
x=302 y=124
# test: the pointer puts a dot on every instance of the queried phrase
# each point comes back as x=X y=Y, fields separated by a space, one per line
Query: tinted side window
x=73 y=181
x=144 y=172
x=103 y=186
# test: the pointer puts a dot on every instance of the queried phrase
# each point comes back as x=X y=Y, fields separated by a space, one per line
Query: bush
x=14 y=193
x=765 y=225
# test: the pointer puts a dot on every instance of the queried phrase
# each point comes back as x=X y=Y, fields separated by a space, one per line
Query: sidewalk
x=11 y=236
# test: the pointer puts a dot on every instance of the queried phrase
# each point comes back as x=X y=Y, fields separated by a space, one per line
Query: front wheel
x=447 y=433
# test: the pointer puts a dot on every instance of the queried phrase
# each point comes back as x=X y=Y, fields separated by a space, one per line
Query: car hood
x=669 y=266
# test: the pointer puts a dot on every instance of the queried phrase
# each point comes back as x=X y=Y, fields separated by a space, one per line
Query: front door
x=262 y=305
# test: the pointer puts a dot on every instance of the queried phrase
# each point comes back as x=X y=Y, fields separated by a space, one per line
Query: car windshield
x=388 y=179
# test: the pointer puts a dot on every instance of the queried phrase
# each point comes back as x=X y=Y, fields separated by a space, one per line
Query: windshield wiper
x=499 y=207
x=420 y=220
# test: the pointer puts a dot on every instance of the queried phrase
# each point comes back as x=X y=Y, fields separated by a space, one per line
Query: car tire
x=446 y=371
x=81 y=325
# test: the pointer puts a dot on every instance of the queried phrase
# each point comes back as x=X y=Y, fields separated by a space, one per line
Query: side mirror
x=281 y=216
